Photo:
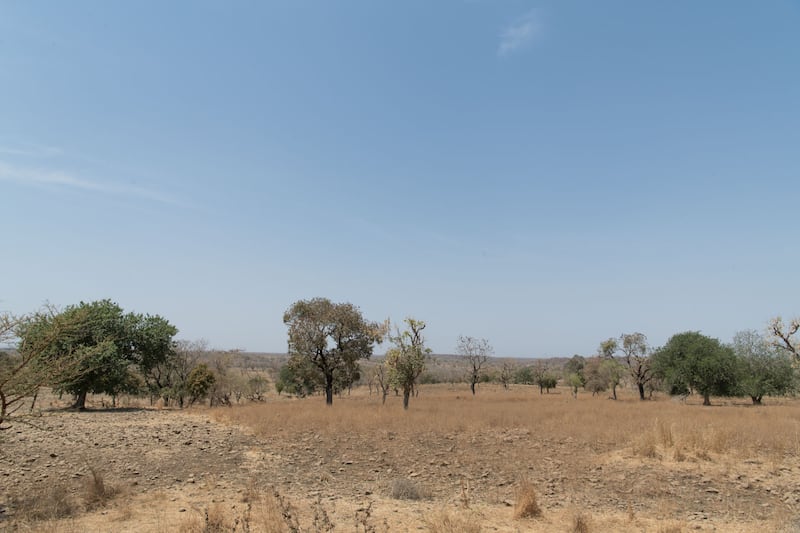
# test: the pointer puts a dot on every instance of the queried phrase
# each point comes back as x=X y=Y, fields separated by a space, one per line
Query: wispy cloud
x=31 y=151
x=57 y=178
x=519 y=34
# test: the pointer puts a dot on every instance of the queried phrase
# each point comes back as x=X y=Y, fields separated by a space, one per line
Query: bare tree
x=635 y=355
x=506 y=374
x=782 y=336
x=475 y=352
x=380 y=376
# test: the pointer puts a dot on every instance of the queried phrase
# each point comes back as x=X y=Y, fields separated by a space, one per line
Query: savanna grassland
x=503 y=460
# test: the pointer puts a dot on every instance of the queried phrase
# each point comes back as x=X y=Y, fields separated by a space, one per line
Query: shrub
x=406 y=489
x=50 y=503
x=526 y=505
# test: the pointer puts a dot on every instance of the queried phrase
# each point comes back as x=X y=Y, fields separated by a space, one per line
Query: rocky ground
x=169 y=465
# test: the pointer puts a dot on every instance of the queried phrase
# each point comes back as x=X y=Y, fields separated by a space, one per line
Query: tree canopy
x=764 y=370
x=332 y=337
x=407 y=358
x=693 y=361
x=109 y=342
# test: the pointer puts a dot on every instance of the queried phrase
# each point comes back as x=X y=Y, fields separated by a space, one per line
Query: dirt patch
x=176 y=468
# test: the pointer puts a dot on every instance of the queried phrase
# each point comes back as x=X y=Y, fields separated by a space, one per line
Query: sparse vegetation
x=406 y=489
x=527 y=504
x=476 y=353
x=406 y=360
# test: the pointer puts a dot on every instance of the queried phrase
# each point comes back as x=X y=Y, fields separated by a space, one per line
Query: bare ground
x=171 y=466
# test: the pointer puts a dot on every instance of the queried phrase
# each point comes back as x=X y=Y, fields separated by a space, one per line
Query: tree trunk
x=383 y=400
x=614 y=391
x=472 y=386
x=641 y=390
x=406 y=394
x=756 y=400
x=329 y=390
x=33 y=402
x=706 y=398
x=80 y=401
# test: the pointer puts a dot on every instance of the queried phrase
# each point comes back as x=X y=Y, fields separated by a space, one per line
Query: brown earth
x=172 y=466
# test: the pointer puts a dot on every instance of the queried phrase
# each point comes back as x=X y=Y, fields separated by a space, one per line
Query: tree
x=546 y=382
x=168 y=378
x=524 y=375
x=596 y=380
x=113 y=343
x=612 y=372
x=635 y=356
x=783 y=336
x=575 y=366
x=32 y=365
x=764 y=369
x=407 y=358
x=574 y=381
x=298 y=377
x=475 y=353
x=381 y=377
x=201 y=380
x=691 y=360
x=332 y=337
x=506 y=374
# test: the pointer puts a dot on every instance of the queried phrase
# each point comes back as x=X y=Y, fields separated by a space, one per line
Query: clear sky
x=542 y=174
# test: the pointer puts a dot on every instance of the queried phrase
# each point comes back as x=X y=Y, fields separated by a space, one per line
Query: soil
x=172 y=464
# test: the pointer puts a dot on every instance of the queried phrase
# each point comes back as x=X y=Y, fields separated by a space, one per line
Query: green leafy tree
x=475 y=352
x=764 y=369
x=546 y=382
x=298 y=377
x=406 y=360
x=575 y=366
x=612 y=372
x=36 y=362
x=524 y=375
x=201 y=381
x=114 y=344
x=574 y=381
x=692 y=361
x=332 y=337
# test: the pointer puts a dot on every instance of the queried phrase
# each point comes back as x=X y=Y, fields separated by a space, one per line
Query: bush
x=51 y=503
x=199 y=382
x=406 y=489
x=526 y=505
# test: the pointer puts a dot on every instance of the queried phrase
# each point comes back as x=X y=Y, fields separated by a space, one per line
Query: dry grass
x=526 y=505
x=580 y=523
x=265 y=511
x=97 y=492
x=739 y=430
x=50 y=503
x=448 y=522
x=407 y=489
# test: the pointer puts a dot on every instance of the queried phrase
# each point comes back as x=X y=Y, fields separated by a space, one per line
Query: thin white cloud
x=519 y=34
x=31 y=151
x=56 y=178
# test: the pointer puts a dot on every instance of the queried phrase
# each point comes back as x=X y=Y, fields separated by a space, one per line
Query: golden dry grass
x=649 y=428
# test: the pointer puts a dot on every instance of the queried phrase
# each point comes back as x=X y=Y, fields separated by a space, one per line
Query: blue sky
x=541 y=174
